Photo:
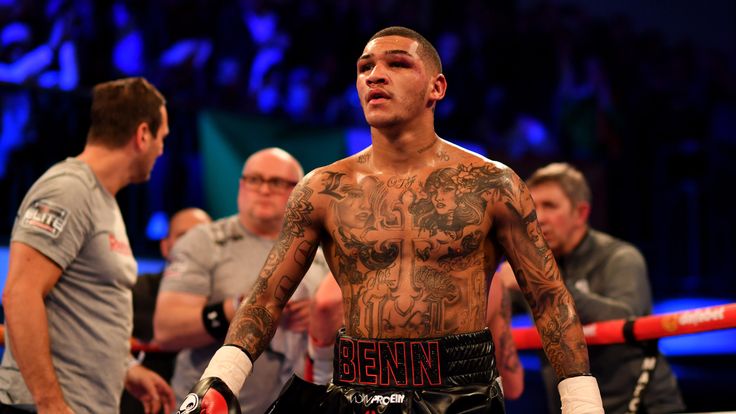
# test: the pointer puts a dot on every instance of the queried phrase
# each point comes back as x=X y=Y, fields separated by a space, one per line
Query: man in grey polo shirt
x=68 y=294
x=213 y=264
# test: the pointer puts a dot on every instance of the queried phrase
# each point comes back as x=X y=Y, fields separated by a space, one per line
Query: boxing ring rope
x=644 y=328
x=617 y=331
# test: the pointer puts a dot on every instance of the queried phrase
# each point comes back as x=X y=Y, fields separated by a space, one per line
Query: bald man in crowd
x=213 y=266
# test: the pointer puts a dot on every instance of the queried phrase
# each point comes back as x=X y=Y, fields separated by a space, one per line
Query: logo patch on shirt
x=119 y=246
x=46 y=216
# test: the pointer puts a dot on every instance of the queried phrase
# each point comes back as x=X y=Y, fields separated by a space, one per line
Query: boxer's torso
x=411 y=252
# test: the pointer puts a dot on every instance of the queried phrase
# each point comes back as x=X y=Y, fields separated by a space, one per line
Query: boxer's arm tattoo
x=255 y=322
x=540 y=280
x=296 y=220
x=254 y=331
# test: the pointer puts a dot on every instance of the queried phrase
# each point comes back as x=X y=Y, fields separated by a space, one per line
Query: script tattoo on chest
x=401 y=183
x=410 y=249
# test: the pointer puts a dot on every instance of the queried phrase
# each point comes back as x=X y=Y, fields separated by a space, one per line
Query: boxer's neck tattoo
x=428 y=146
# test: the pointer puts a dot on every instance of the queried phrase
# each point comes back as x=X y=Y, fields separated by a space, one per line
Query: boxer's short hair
x=427 y=51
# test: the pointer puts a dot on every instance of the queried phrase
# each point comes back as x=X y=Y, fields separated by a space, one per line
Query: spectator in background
x=68 y=293
x=213 y=266
x=144 y=301
x=608 y=280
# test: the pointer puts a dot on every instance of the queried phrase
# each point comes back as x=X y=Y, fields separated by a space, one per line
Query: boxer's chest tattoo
x=411 y=247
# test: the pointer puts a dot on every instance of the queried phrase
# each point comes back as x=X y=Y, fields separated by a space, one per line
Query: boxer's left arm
x=556 y=319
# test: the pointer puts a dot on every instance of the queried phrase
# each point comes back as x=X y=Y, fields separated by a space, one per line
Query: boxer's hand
x=210 y=396
x=580 y=395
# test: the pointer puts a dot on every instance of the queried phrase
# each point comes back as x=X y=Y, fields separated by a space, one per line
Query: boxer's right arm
x=31 y=276
x=256 y=320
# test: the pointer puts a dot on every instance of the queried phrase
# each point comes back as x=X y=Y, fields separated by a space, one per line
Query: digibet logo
x=671 y=322
x=368 y=399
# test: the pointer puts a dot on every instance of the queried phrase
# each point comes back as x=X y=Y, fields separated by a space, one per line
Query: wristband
x=232 y=364
x=214 y=320
x=580 y=395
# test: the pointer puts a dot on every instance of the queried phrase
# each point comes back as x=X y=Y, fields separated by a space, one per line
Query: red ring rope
x=612 y=332
x=646 y=327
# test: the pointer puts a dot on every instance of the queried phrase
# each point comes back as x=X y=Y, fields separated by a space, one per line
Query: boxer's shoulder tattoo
x=331 y=184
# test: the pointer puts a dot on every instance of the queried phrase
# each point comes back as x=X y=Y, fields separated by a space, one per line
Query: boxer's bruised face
x=394 y=83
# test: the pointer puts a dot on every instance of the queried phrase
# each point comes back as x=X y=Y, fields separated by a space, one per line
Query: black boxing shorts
x=452 y=374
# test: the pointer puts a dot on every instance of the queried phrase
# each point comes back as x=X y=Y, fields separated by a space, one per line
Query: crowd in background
x=649 y=119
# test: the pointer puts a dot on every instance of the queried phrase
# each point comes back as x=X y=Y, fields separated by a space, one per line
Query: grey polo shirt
x=70 y=218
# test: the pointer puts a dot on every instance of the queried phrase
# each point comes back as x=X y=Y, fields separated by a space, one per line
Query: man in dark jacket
x=608 y=280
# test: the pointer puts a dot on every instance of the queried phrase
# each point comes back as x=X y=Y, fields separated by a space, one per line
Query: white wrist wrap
x=231 y=365
x=321 y=362
x=580 y=395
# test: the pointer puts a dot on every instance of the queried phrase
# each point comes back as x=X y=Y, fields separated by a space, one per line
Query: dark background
x=640 y=95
